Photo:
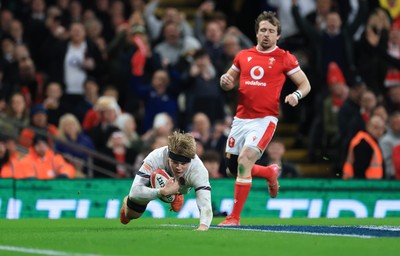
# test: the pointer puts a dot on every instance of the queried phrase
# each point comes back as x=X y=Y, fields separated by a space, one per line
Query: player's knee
x=231 y=165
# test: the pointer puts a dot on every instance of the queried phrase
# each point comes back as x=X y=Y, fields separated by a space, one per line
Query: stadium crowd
x=117 y=77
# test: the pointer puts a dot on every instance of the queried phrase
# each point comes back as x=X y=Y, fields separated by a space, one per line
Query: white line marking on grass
x=41 y=252
x=295 y=232
x=390 y=228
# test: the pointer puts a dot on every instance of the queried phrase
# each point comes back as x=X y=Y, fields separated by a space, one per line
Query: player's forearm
x=144 y=193
x=304 y=88
x=203 y=199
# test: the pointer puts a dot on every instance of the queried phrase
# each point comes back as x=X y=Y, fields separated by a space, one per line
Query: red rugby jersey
x=262 y=75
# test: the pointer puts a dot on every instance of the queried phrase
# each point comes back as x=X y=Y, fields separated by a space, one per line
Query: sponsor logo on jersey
x=249 y=59
x=256 y=73
x=182 y=181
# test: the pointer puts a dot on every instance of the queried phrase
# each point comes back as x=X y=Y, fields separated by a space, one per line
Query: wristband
x=298 y=94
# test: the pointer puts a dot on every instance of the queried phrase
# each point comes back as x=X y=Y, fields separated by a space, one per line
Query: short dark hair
x=271 y=18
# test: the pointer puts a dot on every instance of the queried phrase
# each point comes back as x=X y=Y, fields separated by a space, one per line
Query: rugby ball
x=158 y=179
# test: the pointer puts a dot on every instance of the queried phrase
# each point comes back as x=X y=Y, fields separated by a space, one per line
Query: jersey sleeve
x=291 y=64
x=236 y=62
x=202 y=188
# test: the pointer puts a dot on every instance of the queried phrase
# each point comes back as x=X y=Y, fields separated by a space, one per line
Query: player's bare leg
x=123 y=218
x=126 y=214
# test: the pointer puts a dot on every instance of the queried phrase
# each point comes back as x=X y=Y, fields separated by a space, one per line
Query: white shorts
x=253 y=133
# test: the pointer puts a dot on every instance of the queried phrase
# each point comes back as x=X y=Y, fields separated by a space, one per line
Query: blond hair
x=182 y=144
x=61 y=124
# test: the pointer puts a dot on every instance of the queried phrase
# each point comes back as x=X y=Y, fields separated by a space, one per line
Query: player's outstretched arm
x=203 y=200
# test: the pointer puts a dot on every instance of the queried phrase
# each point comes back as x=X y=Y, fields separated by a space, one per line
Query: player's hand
x=227 y=82
x=202 y=227
x=292 y=100
x=171 y=188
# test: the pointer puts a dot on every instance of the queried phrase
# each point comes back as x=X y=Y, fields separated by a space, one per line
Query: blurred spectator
x=201 y=127
x=38 y=122
x=75 y=11
x=31 y=82
x=117 y=15
x=52 y=102
x=203 y=93
x=93 y=29
x=199 y=144
x=108 y=110
x=364 y=157
x=274 y=154
x=211 y=160
x=388 y=142
x=212 y=40
x=174 y=45
x=6 y=18
x=380 y=110
x=393 y=98
x=70 y=133
x=35 y=28
x=332 y=43
x=319 y=16
x=159 y=96
x=331 y=105
x=171 y=14
x=116 y=148
x=290 y=36
x=163 y=125
x=215 y=28
x=17 y=110
x=42 y=163
x=325 y=123
x=368 y=103
x=217 y=142
x=127 y=124
x=8 y=61
x=130 y=53
x=17 y=32
x=370 y=64
x=91 y=115
x=155 y=142
x=9 y=166
x=86 y=114
x=102 y=12
x=350 y=109
x=72 y=61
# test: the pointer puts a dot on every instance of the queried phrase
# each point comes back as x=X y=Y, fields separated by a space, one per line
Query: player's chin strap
x=178 y=158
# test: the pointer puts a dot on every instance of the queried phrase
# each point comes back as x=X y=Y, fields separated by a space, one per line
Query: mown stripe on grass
x=41 y=251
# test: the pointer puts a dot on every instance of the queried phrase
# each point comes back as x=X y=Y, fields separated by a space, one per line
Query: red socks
x=242 y=189
x=261 y=171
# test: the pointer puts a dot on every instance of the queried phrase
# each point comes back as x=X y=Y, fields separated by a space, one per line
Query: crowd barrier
x=102 y=198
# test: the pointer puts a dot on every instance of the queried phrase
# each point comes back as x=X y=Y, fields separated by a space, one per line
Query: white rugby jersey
x=196 y=177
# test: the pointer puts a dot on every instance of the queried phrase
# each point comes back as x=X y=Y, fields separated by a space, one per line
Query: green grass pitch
x=177 y=237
